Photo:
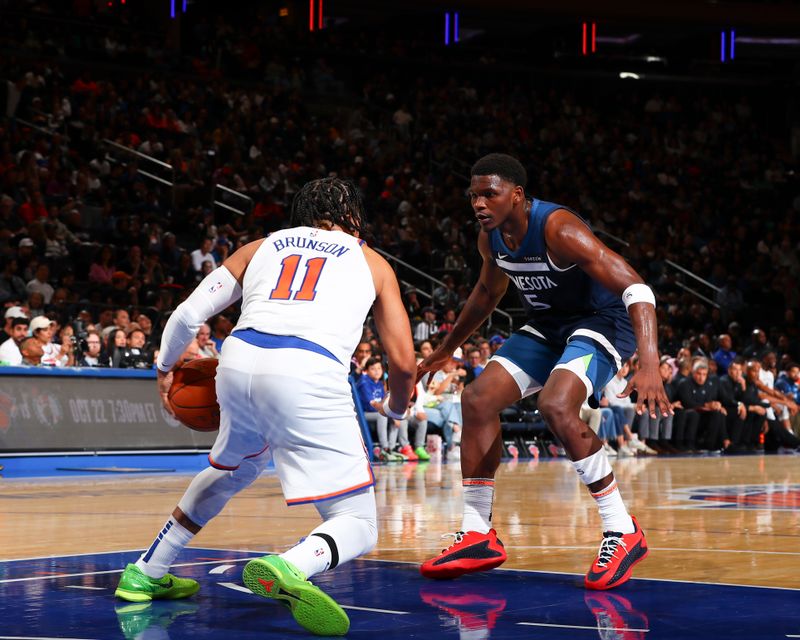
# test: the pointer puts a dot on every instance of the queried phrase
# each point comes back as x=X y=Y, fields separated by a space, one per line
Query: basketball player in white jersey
x=282 y=386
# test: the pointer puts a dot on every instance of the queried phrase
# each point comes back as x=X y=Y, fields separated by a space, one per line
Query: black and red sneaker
x=470 y=552
x=618 y=554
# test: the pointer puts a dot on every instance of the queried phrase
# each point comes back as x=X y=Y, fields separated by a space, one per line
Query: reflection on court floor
x=72 y=597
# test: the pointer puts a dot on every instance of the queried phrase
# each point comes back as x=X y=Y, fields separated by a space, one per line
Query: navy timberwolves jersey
x=559 y=301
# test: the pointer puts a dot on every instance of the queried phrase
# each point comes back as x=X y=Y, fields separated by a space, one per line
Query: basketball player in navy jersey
x=588 y=311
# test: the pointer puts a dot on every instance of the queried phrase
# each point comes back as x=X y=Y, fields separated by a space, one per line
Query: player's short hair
x=503 y=165
x=329 y=200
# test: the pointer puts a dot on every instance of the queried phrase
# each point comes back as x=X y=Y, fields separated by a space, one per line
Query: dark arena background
x=143 y=141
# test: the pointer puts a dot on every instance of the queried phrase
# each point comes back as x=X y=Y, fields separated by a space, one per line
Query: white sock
x=478 y=497
x=612 y=509
x=311 y=555
x=170 y=541
x=349 y=529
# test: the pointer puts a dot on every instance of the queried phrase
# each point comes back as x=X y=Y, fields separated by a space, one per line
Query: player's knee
x=475 y=403
x=554 y=409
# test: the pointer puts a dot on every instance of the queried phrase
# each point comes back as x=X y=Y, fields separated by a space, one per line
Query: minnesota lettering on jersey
x=298 y=242
x=532 y=283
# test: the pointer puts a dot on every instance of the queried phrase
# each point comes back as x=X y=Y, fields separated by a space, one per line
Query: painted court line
x=81 y=586
x=575 y=626
x=221 y=568
x=99 y=573
x=38 y=638
x=390 y=611
x=235 y=587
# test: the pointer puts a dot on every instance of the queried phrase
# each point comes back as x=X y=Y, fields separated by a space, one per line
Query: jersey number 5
x=308 y=289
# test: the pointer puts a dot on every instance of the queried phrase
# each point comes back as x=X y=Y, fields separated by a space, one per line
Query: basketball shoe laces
x=458 y=536
x=608 y=547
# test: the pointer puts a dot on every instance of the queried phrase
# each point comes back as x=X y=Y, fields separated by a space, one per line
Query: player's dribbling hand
x=164 y=381
x=650 y=393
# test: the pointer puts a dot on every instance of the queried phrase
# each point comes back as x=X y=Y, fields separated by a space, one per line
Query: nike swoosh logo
x=502 y=256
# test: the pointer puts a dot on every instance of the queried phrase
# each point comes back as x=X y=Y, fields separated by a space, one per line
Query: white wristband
x=392 y=414
x=638 y=293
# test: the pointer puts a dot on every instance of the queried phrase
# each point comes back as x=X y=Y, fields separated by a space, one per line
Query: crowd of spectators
x=99 y=252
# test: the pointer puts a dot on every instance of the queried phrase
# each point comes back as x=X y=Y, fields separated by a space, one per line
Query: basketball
x=193 y=395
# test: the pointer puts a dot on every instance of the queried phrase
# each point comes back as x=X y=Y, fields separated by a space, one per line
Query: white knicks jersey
x=309 y=283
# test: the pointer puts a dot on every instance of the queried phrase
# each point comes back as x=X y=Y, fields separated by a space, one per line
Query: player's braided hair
x=329 y=200
x=500 y=164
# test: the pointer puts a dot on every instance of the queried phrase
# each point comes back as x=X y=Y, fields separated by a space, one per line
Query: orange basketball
x=193 y=395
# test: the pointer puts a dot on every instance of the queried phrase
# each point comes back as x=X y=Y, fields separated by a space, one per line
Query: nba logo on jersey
x=215 y=287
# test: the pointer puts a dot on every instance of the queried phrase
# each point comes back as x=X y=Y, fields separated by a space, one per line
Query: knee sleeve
x=211 y=489
x=350 y=525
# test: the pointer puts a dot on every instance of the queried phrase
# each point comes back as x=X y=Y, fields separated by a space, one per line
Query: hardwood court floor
x=720 y=520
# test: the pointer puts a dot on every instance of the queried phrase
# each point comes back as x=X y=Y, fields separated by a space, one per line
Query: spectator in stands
x=11 y=314
x=12 y=287
x=427 y=327
x=359 y=360
x=700 y=396
x=146 y=325
x=41 y=284
x=371 y=392
x=445 y=296
x=777 y=435
x=657 y=432
x=121 y=319
x=412 y=303
x=203 y=254
x=35 y=304
x=10 y=355
x=115 y=346
x=623 y=409
x=221 y=327
x=448 y=321
x=134 y=354
x=782 y=408
x=724 y=355
x=91 y=351
x=53 y=355
x=102 y=269
x=742 y=404
x=207 y=348
x=758 y=345
x=474 y=368
x=486 y=352
x=32 y=352
x=184 y=274
x=788 y=383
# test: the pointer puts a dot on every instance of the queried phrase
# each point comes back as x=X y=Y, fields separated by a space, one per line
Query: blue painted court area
x=72 y=597
x=104 y=464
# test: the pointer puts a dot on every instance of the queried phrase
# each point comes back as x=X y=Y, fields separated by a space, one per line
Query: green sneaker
x=313 y=609
x=422 y=454
x=134 y=586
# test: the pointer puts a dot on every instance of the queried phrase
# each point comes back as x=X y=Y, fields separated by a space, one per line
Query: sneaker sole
x=448 y=573
x=622 y=580
x=313 y=609
x=139 y=596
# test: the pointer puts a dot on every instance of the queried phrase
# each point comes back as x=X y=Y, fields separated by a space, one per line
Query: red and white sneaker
x=409 y=453
x=470 y=552
x=618 y=554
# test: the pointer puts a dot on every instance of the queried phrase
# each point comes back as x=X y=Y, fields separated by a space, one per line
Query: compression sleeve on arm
x=218 y=290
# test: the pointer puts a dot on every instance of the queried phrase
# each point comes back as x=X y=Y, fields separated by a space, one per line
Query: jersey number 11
x=308 y=288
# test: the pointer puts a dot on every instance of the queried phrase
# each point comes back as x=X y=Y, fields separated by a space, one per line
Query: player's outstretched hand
x=164 y=381
x=433 y=363
x=651 y=396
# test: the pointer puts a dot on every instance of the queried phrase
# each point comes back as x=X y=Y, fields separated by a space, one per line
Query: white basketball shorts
x=297 y=404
